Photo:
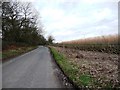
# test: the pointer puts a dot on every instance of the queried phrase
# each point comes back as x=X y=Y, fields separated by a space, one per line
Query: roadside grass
x=6 y=54
x=72 y=71
x=80 y=79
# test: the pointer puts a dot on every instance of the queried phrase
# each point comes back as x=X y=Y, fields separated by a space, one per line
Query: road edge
x=75 y=87
x=12 y=57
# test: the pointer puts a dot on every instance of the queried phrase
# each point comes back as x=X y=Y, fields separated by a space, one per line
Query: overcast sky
x=76 y=19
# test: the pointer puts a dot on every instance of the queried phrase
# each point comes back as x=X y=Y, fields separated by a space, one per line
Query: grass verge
x=10 y=53
x=72 y=71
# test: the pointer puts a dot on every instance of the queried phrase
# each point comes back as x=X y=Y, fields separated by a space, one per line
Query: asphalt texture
x=34 y=69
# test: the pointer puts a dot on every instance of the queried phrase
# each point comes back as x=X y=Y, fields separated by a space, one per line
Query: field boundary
x=81 y=80
x=14 y=56
x=69 y=80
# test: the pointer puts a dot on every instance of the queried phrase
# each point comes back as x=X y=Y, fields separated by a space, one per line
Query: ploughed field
x=102 y=67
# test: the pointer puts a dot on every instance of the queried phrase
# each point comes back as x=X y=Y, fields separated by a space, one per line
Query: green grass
x=15 y=52
x=85 y=79
x=71 y=70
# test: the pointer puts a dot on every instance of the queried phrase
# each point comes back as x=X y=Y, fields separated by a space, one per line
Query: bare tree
x=50 y=39
x=20 y=23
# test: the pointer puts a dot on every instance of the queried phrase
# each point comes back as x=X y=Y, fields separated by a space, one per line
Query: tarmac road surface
x=34 y=69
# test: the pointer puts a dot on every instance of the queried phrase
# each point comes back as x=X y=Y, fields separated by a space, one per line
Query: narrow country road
x=34 y=69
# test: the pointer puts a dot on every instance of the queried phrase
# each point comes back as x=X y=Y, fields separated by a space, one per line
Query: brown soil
x=103 y=67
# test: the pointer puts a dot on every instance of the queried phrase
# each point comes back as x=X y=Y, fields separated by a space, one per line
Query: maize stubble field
x=95 y=61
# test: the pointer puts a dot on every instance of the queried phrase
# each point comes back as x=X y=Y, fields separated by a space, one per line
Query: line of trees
x=20 y=24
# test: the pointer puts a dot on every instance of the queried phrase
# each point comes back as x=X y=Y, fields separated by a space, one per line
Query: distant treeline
x=20 y=25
